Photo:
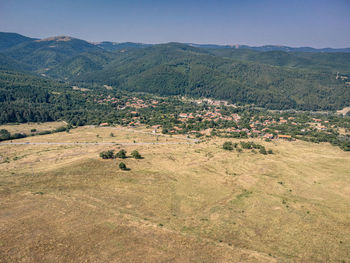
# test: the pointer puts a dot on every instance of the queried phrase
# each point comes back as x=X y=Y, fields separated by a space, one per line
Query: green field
x=181 y=203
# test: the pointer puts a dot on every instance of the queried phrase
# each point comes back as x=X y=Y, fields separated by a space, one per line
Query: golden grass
x=181 y=203
x=26 y=127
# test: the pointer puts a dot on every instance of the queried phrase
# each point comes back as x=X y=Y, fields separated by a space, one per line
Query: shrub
x=121 y=154
x=122 y=166
x=227 y=146
x=263 y=150
x=135 y=154
x=18 y=136
x=60 y=129
x=4 y=135
x=270 y=151
x=107 y=154
x=44 y=132
x=33 y=130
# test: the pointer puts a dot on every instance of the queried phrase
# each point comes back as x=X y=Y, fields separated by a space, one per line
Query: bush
x=263 y=151
x=44 y=132
x=135 y=154
x=60 y=129
x=122 y=166
x=4 y=135
x=121 y=154
x=227 y=146
x=18 y=136
x=33 y=130
x=107 y=154
x=270 y=151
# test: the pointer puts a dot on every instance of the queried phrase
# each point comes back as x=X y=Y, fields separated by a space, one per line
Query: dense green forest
x=175 y=69
x=271 y=79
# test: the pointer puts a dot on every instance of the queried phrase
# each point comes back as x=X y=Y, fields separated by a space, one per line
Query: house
x=268 y=136
x=104 y=124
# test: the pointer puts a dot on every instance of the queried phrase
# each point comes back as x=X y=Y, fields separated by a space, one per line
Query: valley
x=173 y=152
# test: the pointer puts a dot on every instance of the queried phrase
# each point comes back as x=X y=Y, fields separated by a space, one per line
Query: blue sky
x=316 y=23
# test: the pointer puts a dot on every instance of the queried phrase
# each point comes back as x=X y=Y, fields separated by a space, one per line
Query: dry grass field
x=181 y=203
x=26 y=128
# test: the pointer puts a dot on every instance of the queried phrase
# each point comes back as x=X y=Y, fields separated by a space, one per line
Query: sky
x=315 y=23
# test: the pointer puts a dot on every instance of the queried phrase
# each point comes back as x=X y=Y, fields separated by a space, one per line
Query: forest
x=273 y=79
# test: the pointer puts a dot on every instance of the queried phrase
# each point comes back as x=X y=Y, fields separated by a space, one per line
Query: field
x=180 y=203
x=39 y=127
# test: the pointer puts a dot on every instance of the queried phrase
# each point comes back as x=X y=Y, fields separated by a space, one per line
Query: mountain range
x=276 y=77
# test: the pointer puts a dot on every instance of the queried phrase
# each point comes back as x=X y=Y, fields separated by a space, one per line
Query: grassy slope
x=27 y=127
x=182 y=203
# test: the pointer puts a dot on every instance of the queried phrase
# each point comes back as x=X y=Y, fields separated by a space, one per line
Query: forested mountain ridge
x=272 y=79
x=331 y=62
x=177 y=69
x=273 y=48
x=8 y=40
x=46 y=53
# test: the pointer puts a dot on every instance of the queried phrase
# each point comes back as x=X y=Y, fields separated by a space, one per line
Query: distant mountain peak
x=57 y=38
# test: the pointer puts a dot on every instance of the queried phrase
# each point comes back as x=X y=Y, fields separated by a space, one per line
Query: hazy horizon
x=310 y=23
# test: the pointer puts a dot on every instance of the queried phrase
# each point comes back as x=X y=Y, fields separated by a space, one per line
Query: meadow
x=192 y=202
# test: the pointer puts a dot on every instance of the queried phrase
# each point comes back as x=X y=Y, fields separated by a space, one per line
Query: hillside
x=192 y=203
x=330 y=62
x=7 y=63
x=8 y=40
x=273 y=48
x=45 y=53
x=271 y=79
x=177 y=69
x=81 y=64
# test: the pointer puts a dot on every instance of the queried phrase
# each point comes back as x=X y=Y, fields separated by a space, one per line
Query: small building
x=268 y=136
x=284 y=137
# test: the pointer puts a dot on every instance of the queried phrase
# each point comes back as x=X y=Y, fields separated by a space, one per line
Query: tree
x=227 y=146
x=107 y=154
x=135 y=154
x=122 y=166
x=121 y=154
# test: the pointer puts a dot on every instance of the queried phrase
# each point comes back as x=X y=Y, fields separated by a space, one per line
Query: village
x=207 y=117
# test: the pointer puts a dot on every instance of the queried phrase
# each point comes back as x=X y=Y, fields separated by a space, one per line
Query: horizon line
x=236 y=45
